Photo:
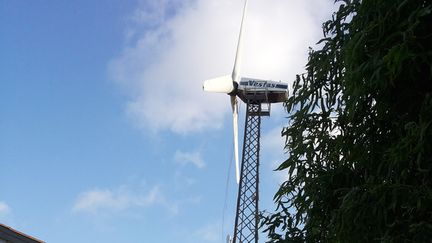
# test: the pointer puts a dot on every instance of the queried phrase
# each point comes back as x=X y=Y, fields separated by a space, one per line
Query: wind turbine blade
x=238 y=58
x=234 y=106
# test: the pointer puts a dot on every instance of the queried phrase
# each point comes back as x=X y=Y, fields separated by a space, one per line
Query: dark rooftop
x=14 y=236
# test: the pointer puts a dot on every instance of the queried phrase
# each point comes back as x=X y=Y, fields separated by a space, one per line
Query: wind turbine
x=254 y=92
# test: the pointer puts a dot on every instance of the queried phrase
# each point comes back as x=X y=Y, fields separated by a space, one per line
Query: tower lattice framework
x=247 y=219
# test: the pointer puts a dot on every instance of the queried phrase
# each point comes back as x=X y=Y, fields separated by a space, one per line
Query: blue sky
x=105 y=133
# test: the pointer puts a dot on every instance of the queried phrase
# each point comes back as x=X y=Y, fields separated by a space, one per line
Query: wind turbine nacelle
x=222 y=84
x=262 y=91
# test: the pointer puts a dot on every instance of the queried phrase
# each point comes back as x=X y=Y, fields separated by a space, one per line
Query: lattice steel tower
x=246 y=222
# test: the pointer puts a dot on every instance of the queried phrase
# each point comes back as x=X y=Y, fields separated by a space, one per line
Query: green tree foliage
x=359 y=135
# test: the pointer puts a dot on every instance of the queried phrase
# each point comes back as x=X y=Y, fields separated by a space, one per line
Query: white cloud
x=170 y=52
x=185 y=158
x=273 y=143
x=97 y=200
x=273 y=150
x=4 y=209
x=182 y=180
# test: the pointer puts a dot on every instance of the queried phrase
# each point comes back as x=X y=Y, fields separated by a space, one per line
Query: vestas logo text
x=261 y=84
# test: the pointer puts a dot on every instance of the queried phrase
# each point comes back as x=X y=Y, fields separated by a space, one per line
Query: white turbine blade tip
x=238 y=59
x=234 y=105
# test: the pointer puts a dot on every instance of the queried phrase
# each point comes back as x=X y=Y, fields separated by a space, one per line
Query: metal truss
x=246 y=222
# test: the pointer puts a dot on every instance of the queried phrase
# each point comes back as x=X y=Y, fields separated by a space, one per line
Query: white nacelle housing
x=251 y=89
